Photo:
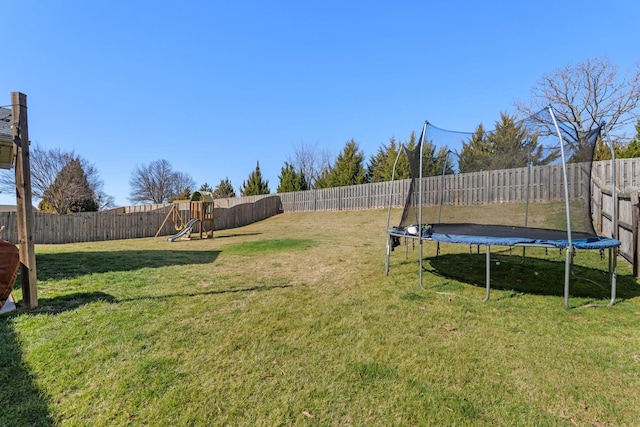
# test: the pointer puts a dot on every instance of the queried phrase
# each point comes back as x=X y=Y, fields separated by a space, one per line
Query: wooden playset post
x=202 y=208
x=23 y=200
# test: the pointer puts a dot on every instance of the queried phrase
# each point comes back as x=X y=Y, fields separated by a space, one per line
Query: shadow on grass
x=197 y=294
x=68 y=302
x=23 y=403
x=535 y=276
x=223 y=235
x=67 y=265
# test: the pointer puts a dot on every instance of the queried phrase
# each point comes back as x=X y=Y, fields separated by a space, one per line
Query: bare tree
x=586 y=94
x=183 y=183
x=46 y=164
x=105 y=201
x=157 y=183
x=311 y=161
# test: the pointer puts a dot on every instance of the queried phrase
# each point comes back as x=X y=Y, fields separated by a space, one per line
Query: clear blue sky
x=213 y=87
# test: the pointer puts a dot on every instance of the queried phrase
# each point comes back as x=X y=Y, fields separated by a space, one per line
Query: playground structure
x=201 y=207
x=14 y=150
x=201 y=213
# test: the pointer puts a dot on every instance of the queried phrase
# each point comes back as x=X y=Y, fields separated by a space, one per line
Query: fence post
x=635 y=220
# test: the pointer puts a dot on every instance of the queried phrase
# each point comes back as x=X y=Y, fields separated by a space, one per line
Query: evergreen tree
x=380 y=167
x=46 y=207
x=476 y=153
x=633 y=148
x=622 y=151
x=602 y=151
x=224 y=190
x=512 y=146
x=349 y=168
x=291 y=180
x=322 y=181
x=70 y=191
x=432 y=162
x=403 y=168
x=509 y=146
x=206 y=187
x=255 y=185
x=183 y=195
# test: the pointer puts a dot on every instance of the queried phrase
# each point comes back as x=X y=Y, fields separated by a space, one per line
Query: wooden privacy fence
x=353 y=197
x=501 y=186
x=142 y=222
x=627 y=211
x=545 y=183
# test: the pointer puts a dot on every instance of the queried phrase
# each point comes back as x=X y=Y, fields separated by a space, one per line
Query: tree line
x=584 y=95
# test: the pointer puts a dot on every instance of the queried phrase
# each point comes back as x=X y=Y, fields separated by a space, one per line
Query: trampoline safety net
x=510 y=176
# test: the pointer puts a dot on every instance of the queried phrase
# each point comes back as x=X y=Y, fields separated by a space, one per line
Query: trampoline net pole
x=613 y=252
x=614 y=197
x=424 y=130
x=567 y=274
x=441 y=198
x=393 y=175
x=564 y=176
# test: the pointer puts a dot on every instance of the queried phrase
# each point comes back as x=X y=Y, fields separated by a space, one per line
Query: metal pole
x=569 y=258
x=567 y=274
x=613 y=252
x=564 y=176
x=393 y=175
x=424 y=131
x=527 y=192
x=614 y=195
x=441 y=201
x=488 y=274
x=527 y=195
x=613 y=263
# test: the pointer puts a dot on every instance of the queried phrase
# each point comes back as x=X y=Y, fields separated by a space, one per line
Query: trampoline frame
x=570 y=244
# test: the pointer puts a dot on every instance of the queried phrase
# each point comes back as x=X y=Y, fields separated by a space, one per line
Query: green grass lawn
x=292 y=321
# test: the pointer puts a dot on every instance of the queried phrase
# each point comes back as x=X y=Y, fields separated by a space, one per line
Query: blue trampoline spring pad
x=502 y=235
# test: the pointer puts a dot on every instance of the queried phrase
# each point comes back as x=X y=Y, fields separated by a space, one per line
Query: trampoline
x=433 y=200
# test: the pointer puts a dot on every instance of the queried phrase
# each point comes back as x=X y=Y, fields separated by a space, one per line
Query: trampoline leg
x=386 y=264
x=567 y=275
x=420 y=243
x=613 y=253
x=488 y=274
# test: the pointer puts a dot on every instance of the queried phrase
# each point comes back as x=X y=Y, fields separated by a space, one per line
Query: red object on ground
x=9 y=263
